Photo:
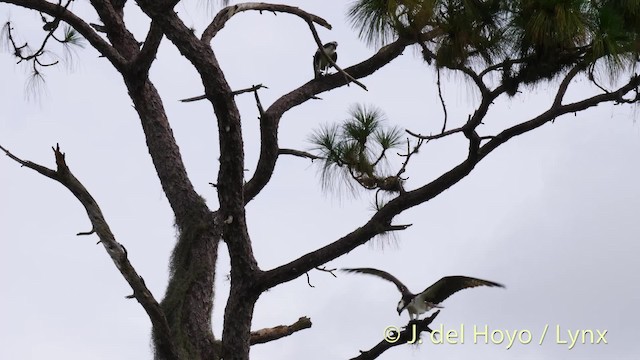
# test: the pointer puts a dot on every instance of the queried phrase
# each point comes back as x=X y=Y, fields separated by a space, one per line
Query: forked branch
x=65 y=15
x=116 y=251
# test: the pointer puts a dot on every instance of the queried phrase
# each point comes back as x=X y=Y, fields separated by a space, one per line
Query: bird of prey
x=431 y=297
x=320 y=62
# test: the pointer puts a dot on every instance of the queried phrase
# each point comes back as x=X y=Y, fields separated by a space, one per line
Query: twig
x=254 y=88
x=324 y=268
x=436 y=136
x=257 y=97
x=195 y=98
x=309 y=280
x=408 y=155
x=444 y=106
x=93 y=231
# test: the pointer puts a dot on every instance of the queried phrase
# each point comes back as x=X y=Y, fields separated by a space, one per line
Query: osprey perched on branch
x=417 y=304
x=321 y=63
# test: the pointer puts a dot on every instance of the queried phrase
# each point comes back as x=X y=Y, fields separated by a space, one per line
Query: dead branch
x=444 y=106
x=255 y=94
x=298 y=153
x=309 y=280
x=116 y=251
x=408 y=155
x=409 y=335
x=324 y=269
x=436 y=136
x=78 y=24
x=254 y=89
x=92 y=231
x=220 y=20
x=195 y=98
x=269 y=334
x=398 y=227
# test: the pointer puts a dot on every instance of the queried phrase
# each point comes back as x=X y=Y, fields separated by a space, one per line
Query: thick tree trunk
x=237 y=323
x=188 y=302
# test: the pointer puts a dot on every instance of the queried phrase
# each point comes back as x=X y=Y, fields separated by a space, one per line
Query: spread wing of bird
x=449 y=285
x=383 y=274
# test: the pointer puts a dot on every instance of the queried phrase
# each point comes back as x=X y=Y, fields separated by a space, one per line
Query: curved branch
x=227 y=13
x=115 y=250
x=271 y=119
x=78 y=24
x=564 y=85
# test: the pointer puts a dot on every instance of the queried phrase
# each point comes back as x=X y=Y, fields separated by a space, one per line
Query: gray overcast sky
x=551 y=214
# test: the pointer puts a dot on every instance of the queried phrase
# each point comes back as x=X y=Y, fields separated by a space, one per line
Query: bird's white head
x=333 y=44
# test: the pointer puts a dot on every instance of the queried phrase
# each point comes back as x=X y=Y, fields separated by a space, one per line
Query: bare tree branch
x=564 y=85
x=271 y=119
x=555 y=111
x=444 y=106
x=115 y=250
x=78 y=24
x=382 y=218
x=409 y=154
x=436 y=136
x=298 y=153
x=225 y=14
x=270 y=334
x=410 y=335
x=147 y=55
